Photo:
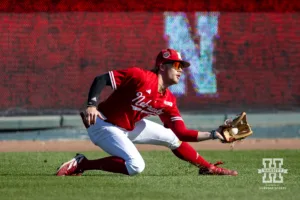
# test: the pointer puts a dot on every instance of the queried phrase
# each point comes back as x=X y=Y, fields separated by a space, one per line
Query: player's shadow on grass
x=29 y=174
x=141 y=175
x=96 y=175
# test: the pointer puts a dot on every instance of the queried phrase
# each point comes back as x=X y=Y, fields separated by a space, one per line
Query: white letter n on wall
x=177 y=30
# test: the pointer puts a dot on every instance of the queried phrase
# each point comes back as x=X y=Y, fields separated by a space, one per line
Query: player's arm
x=97 y=86
x=189 y=135
x=173 y=120
x=91 y=112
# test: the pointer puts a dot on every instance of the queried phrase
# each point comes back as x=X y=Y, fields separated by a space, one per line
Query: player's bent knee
x=174 y=144
x=135 y=166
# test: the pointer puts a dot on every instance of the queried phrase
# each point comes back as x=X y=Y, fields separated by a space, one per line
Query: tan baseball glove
x=236 y=129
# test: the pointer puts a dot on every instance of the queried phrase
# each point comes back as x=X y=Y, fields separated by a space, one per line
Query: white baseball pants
x=119 y=142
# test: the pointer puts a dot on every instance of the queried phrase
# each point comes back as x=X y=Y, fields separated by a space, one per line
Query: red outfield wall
x=48 y=60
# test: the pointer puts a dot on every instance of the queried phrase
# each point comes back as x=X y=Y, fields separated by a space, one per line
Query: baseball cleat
x=215 y=170
x=71 y=168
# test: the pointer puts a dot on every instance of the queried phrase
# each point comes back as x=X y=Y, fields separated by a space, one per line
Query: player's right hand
x=91 y=113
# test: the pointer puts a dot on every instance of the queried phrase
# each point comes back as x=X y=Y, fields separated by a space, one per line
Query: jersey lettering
x=139 y=104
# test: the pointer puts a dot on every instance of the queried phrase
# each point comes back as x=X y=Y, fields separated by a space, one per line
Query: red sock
x=110 y=164
x=188 y=153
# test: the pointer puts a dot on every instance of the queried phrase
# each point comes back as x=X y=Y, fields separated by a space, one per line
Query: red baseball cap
x=167 y=55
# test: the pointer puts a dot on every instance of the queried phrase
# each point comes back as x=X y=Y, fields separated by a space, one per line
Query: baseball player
x=118 y=123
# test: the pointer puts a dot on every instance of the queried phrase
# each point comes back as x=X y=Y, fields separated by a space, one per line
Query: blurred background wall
x=240 y=60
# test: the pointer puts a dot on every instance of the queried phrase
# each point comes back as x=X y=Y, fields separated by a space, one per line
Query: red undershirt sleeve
x=173 y=120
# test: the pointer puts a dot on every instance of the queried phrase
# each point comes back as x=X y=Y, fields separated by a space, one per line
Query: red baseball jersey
x=136 y=96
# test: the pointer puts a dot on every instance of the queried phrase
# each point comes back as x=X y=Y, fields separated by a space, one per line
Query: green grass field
x=30 y=176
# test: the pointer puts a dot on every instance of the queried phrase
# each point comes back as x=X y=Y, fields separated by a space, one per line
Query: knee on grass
x=135 y=166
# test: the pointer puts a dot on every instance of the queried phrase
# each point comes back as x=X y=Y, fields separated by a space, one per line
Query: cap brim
x=185 y=64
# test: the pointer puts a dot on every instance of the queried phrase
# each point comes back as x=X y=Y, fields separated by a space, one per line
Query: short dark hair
x=156 y=68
